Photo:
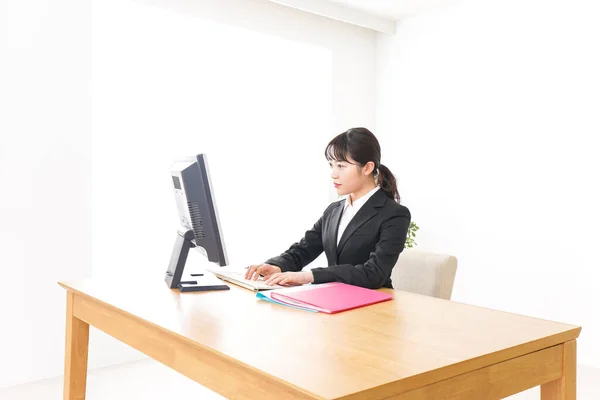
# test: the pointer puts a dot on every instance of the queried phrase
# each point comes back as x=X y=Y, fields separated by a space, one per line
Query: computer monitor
x=199 y=225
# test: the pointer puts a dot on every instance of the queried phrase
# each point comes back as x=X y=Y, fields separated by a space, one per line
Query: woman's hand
x=266 y=270
x=291 y=278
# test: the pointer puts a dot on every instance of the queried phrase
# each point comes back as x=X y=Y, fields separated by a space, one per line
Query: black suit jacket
x=368 y=248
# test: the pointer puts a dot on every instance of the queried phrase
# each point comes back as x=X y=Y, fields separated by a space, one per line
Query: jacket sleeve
x=302 y=253
x=374 y=273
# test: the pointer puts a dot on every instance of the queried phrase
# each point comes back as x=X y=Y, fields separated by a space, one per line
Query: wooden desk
x=413 y=347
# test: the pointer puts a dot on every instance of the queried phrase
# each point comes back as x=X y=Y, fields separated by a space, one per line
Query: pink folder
x=330 y=298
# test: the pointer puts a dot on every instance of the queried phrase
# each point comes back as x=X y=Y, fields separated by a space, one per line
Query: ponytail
x=387 y=181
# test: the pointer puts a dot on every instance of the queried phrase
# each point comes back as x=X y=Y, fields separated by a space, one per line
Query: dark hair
x=362 y=146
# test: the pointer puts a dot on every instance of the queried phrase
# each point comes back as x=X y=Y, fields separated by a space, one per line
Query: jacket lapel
x=332 y=231
x=366 y=212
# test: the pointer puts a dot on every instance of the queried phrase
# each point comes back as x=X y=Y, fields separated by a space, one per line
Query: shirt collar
x=360 y=202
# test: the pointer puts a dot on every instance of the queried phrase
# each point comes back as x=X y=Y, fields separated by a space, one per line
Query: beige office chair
x=425 y=273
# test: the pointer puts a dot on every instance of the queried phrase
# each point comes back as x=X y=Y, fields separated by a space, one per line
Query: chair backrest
x=425 y=273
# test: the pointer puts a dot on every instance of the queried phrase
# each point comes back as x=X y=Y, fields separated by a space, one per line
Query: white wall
x=352 y=47
x=488 y=112
x=46 y=154
x=258 y=105
x=45 y=168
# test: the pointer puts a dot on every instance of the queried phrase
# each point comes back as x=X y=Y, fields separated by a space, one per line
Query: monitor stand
x=194 y=282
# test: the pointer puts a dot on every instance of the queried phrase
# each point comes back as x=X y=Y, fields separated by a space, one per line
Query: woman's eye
x=340 y=166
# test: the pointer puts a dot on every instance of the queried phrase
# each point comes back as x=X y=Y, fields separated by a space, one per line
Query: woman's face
x=347 y=176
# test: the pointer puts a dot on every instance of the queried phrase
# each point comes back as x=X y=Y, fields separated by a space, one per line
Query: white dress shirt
x=350 y=211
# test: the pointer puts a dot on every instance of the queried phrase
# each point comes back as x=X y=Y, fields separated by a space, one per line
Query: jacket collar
x=366 y=212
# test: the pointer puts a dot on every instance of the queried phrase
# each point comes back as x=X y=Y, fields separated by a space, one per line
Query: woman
x=362 y=235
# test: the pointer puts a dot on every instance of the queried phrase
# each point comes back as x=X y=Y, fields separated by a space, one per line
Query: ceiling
x=378 y=15
x=389 y=9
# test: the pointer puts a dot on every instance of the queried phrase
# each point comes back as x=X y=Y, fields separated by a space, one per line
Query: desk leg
x=564 y=388
x=76 y=354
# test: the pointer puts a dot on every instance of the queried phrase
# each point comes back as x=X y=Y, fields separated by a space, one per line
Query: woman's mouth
x=337 y=185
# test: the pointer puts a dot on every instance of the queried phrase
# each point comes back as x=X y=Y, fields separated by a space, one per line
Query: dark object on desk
x=199 y=225
x=199 y=287
x=196 y=282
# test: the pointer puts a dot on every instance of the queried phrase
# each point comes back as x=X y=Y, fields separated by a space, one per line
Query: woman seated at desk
x=362 y=235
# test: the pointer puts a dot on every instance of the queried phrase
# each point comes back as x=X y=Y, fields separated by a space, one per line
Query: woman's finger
x=250 y=271
x=266 y=271
x=285 y=281
x=275 y=278
x=257 y=272
x=269 y=279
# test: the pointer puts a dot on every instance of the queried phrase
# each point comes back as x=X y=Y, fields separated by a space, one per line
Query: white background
x=157 y=94
x=489 y=112
x=486 y=111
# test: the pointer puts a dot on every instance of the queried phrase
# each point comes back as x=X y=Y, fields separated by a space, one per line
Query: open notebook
x=328 y=298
